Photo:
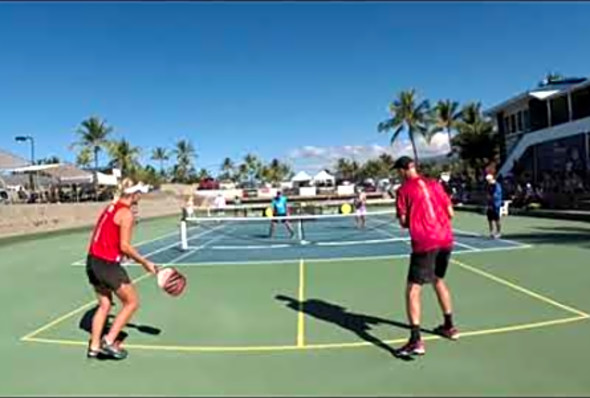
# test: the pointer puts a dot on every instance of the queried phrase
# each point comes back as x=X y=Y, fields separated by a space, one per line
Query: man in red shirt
x=426 y=210
x=111 y=241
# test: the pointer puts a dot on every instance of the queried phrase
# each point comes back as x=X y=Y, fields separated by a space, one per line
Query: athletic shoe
x=410 y=349
x=112 y=351
x=450 y=333
x=93 y=354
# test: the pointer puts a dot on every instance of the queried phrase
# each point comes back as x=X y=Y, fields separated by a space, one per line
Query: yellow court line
x=230 y=349
x=70 y=314
x=521 y=289
x=301 y=298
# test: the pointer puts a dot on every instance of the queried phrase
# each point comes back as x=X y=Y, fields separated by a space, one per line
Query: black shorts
x=426 y=267
x=280 y=216
x=493 y=214
x=105 y=275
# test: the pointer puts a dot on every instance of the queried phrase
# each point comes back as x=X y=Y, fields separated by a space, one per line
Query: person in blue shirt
x=494 y=203
x=279 y=208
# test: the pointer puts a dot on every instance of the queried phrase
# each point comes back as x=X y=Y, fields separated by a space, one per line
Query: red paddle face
x=175 y=284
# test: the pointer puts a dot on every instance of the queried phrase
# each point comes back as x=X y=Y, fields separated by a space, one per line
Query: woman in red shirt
x=111 y=241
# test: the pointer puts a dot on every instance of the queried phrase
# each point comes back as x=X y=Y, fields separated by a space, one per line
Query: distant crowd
x=522 y=191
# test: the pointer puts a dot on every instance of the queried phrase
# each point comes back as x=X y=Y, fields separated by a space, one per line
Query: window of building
x=507 y=125
x=559 y=110
x=581 y=103
x=512 y=123
x=526 y=120
x=519 y=121
x=538 y=114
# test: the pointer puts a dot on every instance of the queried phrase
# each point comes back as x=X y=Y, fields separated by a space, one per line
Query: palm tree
x=202 y=174
x=446 y=117
x=124 y=156
x=185 y=153
x=275 y=171
x=387 y=162
x=94 y=134
x=160 y=154
x=286 y=172
x=410 y=115
x=476 y=142
x=227 y=169
x=242 y=173
x=49 y=160
x=347 y=170
x=253 y=166
x=84 y=157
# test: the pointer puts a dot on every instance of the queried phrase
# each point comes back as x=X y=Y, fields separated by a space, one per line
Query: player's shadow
x=359 y=324
x=86 y=325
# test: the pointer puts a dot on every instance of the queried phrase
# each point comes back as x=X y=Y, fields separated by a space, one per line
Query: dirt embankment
x=24 y=219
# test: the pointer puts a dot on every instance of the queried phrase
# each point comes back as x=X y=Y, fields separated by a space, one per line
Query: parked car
x=4 y=198
x=208 y=183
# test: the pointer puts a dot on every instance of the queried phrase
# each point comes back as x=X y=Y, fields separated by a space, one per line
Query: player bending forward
x=425 y=209
x=111 y=241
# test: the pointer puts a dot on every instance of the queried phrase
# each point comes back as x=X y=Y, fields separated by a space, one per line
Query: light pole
x=22 y=138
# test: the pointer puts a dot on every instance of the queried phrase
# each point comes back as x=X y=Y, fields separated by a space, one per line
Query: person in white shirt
x=219 y=204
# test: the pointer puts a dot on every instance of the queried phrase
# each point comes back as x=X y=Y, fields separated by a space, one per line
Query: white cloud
x=314 y=158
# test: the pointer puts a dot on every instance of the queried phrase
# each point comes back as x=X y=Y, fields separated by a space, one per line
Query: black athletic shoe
x=93 y=354
x=112 y=351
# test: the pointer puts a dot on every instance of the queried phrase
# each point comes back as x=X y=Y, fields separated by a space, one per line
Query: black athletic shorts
x=493 y=214
x=279 y=217
x=104 y=274
x=426 y=267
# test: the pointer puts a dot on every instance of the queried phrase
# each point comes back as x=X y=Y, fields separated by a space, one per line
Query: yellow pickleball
x=346 y=208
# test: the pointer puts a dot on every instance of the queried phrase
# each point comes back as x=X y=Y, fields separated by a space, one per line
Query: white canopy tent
x=301 y=176
x=301 y=179
x=68 y=174
x=323 y=177
x=9 y=161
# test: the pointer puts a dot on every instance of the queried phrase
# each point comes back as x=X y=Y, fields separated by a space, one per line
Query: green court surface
x=288 y=320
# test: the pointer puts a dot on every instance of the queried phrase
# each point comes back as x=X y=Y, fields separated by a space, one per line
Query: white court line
x=250 y=247
x=475 y=235
x=333 y=259
x=81 y=262
x=195 y=249
x=478 y=235
x=457 y=243
x=360 y=242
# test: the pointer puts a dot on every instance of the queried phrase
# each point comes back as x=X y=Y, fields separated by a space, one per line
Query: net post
x=183 y=238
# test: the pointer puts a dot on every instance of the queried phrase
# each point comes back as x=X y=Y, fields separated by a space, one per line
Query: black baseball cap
x=403 y=163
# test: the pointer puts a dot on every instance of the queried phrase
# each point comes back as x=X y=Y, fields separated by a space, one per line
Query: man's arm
x=400 y=204
x=444 y=198
x=126 y=225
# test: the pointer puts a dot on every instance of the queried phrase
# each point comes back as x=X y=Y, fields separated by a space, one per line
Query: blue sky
x=300 y=81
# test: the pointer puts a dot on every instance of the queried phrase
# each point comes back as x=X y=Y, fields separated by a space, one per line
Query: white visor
x=139 y=187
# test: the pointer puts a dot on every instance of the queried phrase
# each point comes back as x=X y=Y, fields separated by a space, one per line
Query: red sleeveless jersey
x=106 y=238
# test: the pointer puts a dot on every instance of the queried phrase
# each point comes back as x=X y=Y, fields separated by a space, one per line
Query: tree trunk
x=95 y=179
x=450 y=144
x=414 y=147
